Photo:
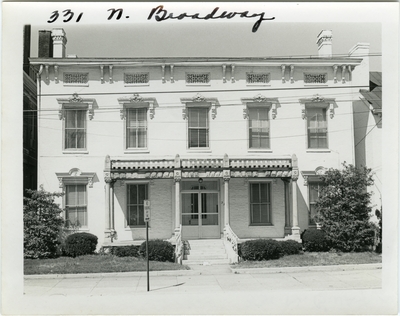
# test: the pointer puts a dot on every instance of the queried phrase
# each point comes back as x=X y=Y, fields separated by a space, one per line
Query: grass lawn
x=313 y=259
x=94 y=264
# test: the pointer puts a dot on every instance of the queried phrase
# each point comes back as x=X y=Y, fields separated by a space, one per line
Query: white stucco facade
x=227 y=88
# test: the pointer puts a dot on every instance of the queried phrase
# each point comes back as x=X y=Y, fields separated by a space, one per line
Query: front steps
x=205 y=252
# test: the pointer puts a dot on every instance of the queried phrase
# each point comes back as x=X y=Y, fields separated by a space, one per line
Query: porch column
x=226 y=201
x=107 y=179
x=177 y=178
x=177 y=202
x=107 y=208
x=112 y=221
x=227 y=176
x=295 y=222
x=286 y=183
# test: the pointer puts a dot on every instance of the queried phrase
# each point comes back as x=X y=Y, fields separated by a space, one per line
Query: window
x=75 y=129
x=317 y=130
x=76 y=205
x=136 y=128
x=198 y=128
x=258 y=128
x=260 y=203
x=313 y=194
x=137 y=193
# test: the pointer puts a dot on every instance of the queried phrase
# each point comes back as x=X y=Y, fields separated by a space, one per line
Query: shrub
x=290 y=247
x=315 y=240
x=80 y=244
x=260 y=249
x=42 y=224
x=125 y=251
x=159 y=250
x=343 y=208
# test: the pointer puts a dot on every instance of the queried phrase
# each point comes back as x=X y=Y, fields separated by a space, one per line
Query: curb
x=348 y=267
x=111 y=274
x=344 y=267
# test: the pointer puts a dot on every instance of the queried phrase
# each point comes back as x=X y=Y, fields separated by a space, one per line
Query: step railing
x=179 y=247
x=231 y=241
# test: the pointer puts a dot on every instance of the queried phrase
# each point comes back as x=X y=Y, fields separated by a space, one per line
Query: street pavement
x=211 y=290
x=206 y=279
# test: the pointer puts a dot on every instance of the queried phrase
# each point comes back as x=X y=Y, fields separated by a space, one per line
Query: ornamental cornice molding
x=76 y=102
x=136 y=101
x=318 y=101
x=75 y=176
x=200 y=100
x=262 y=100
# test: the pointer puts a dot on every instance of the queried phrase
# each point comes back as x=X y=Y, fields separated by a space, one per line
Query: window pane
x=133 y=216
x=133 y=195
x=142 y=138
x=255 y=193
x=81 y=216
x=142 y=193
x=203 y=138
x=203 y=117
x=264 y=190
x=131 y=138
x=70 y=118
x=193 y=138
x=70 y=139
x=80 y=139
x=264 y=214
x=81 y=119
x=193 y=117
x=141 y=215
x=256 y=214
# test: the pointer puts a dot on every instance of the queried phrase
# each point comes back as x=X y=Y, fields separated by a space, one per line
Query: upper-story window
x=75 y=129
x=259 y=127
x=73 y=111
x=317 y=127
x=136 y=128
x=198 y=127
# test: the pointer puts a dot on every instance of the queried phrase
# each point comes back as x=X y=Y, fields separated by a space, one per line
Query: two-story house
x=219 y=146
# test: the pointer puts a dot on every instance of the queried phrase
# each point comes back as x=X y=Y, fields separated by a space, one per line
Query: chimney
x=59 y=41
x=45 y=49
x=324 y=41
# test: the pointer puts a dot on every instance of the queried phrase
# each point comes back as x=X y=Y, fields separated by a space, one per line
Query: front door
x=200 y=214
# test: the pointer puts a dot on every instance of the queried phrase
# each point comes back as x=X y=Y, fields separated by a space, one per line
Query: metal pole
x=147 y=255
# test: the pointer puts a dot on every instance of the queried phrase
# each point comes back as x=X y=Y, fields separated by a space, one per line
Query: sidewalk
x=208 y=279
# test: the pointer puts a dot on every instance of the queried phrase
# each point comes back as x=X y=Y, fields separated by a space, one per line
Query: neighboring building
x=29 y=117
x=368 y=134
x=217 y=145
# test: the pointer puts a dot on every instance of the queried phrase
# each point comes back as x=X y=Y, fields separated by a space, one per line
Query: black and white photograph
x=200 y=158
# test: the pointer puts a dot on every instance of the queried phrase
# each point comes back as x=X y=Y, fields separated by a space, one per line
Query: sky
x=210 y=39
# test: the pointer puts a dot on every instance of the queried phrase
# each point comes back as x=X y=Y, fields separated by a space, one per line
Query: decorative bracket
x=350 y=72
x=101 y=73
x=137 y=101
x=47 y=72
x=163 y=73
x=224 y=73
x=335 y=67
x=283 y=67
x=110 y=68
x=344 y=74
x=56 y=73
x=233 y=73
x=291 y=73
x=172 y=73
x=78 y=103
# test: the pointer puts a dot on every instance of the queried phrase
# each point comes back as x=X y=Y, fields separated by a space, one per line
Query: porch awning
x=205 y=167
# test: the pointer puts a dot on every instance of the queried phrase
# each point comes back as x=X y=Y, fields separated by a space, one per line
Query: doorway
x=200 y=210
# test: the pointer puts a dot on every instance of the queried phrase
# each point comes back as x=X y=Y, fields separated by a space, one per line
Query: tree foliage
x=42 y=224
x=343 y=208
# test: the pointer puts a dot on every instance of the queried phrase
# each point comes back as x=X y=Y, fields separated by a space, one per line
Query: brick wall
x=240 y=210
x=162 y=213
